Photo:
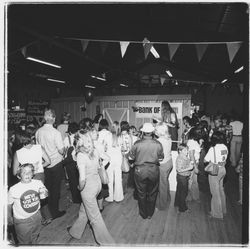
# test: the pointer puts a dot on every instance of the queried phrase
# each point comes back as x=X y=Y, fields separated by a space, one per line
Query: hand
x=10 y=221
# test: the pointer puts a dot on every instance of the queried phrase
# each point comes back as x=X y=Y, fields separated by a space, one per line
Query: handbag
x=103 y=175
x=125 y=164
x=212 y=168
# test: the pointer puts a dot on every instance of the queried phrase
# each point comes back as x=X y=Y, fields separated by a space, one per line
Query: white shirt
x=166 y=144
x=25 y=198
x=32 y=155
x=221 y=153
x=105 y=138
x=51 y=139
x=194 y=145
x=68 y=143
x=237 y=127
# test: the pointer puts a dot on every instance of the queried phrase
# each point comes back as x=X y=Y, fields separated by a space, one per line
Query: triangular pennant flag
x=124 y=46
x=172 y=49
x=104 y=46
x=162 y=80
x=85 y=44
x=201 y=49
x=195 y=90
x=147 y=47
x=23 y=51
x=233 y=48
x=241 y=87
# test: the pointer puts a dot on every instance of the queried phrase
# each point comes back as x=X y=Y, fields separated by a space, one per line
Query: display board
x=16 y=116
x=35 y=109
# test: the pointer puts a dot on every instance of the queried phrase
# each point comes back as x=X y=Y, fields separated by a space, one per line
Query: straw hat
x=147 y=127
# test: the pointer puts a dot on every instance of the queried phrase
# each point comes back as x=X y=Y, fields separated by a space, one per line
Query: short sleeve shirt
x=193 y=145
x=25 y=198
x=221 y=153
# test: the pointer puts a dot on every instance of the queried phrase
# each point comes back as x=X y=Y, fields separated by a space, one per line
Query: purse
x=125 y=164
x=212 y=168
x=103 y=174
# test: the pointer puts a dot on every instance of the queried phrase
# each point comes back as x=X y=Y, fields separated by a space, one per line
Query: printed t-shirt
x=221 y=153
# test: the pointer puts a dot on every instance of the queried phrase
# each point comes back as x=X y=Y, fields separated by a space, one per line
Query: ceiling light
x=88 y=86
x=239 y=69
x=224 y=81
x=99 y=78
x=43 y=62
x=154 y=52
x=123 y=85
x=60 y=81
x=169 y=73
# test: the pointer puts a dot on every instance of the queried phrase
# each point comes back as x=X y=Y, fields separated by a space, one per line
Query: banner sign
x=153 y=109
x=16 y=116
x=35 y=109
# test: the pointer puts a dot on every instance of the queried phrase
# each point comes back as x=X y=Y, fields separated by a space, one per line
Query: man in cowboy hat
x=146 y=154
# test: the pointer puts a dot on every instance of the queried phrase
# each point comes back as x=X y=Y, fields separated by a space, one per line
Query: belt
x=237 y=135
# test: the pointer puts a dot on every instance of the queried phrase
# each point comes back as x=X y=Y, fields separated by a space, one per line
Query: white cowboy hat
x=147 y=127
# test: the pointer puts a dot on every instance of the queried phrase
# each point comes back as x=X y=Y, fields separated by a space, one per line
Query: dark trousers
x=181 y=192
x=53 y=178
x=147 y=183
x=73 y=176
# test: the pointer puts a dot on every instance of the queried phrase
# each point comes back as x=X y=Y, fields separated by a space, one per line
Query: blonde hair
x=115 y=130
x=162 y=130
x=49 y=115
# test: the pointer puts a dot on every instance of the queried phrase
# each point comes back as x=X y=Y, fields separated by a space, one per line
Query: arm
x=59 y=143
x=46 y=159
x=10 y=215
x=160 y=153
x=191 y=155
x=81 y=164
x=15 y=164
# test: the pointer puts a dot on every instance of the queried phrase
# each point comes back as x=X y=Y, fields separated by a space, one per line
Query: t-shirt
x=221 y=153
x=166 y=144
x=193 y=145
x=25 y=198
x=237 y=127
x=33 y=156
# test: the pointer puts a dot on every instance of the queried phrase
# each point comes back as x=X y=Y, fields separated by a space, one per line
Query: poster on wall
x=153 y=109
x=16 y=116
x=35 y=110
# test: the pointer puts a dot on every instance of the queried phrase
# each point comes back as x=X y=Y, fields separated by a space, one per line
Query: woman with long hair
x=166 y=165
x=88 y=162
x=218 y=153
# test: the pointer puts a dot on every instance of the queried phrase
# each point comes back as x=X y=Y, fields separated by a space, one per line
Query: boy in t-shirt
x=183 y=168
x=24 y=205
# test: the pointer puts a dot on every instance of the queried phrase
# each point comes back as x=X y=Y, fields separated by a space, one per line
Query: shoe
x=46 y=222
x=59 y=214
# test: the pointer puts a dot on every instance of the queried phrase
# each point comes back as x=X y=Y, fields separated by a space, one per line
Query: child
x=239 y=169
x=183 y=168
x=24 y=200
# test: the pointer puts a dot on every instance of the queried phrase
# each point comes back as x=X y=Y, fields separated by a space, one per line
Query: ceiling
x=45 y=27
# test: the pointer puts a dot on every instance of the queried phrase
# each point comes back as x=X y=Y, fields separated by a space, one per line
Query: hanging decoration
x=147 y=47
x=162 y=80
x=24 y=51
x=124 y=46
x=201 y=49
x=233 y=48
x=89 y=96
x=241 y=87
x=172 y=49
x=84 y=44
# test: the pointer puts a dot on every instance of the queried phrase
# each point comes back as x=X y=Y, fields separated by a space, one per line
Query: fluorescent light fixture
x=123 y=85
x=99 y=78
x=88 y=86
x=43 y=62
x=239 y=69
x=224 y=81
x=154 y=52
x=169 y=73
x=60 y=81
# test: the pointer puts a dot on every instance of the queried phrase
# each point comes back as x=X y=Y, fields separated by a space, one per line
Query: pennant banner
x=233 y=48
x=23 y=51
x=124 y=46
x=162 y=80
x=241 y=87
x=104 y=46
x=195 y=90
x=147 y=47
x=201 y=49
x=172 y=49
x=84 y=45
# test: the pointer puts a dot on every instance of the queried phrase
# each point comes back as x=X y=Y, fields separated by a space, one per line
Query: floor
x=165 y=227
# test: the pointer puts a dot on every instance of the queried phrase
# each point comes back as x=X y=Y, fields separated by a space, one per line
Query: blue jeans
x=181 y=192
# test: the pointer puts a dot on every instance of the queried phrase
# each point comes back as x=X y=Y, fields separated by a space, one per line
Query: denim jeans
x=218 y=201
x=181 y=192
x=235 y=149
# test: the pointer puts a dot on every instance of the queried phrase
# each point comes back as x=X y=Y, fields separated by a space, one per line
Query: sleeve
x=59 y=141
x=160 y=152
x=81 y=165
x=10 y=197
x=132 y=152
x=209 y=155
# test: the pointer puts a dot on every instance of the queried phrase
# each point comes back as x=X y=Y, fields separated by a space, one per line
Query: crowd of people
x=40 y=157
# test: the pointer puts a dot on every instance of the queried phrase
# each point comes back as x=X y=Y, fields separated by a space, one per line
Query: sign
x=153 y=109
x=15 y=117
x=35 y=109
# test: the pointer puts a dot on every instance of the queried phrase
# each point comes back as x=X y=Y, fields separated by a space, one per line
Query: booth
x=136 y=109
